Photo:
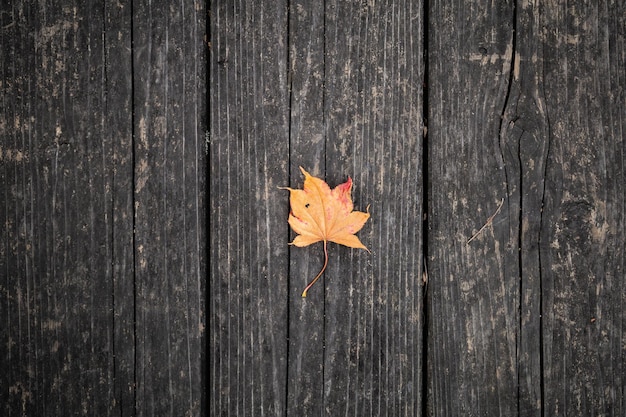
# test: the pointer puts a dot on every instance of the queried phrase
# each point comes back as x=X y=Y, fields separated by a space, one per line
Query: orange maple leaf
x=321 y=214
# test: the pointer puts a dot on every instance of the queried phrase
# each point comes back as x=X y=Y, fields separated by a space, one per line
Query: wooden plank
x=307 y=147
x=564 y=222
x=473 y=289
x=169 y=95
x=373 y=120
x=560 y=212
x=525 y=134
x=56 y=212
x=249 y=154
x=118 y=132
x=580 y=65
x=13 y=36
x=233 y=384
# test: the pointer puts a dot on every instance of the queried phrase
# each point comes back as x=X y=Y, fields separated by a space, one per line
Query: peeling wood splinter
x=487 y=223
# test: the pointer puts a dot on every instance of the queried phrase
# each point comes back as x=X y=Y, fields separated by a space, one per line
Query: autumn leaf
x=319 y=214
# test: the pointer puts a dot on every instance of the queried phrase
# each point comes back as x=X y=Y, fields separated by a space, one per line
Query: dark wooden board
x=118 y=133
x=570 y=170
x=74 y=223
x=348 y=108
x=473 y=289
x=516 y=326
x=581 y=57
x=307 y=148
x=373 y=128
x=169 y=73
x=249 y=149
x=56 y=212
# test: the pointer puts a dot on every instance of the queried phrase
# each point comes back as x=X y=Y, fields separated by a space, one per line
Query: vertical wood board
x=249 y=146
x=68 y=205
x=307 y=149
x=373 y=126
x=56 y=212
x=473 y=288
x=169 y=172
x=582 y=239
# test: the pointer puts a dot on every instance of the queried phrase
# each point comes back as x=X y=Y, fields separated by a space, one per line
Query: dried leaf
x=319 y=214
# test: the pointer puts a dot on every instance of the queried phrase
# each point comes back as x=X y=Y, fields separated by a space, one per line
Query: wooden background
x=102 y=208
x=117 y=119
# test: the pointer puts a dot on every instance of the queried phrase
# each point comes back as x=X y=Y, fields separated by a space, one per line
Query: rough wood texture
x=86 y=325
x=249 y=145
x=307 y=148
x=473 y=289
x=582 y=248
x=108 y=110
x=118 y=133
x=350 y=106
x=373 y=132
x=527 y=319
x=56 y=207
x=169 y=97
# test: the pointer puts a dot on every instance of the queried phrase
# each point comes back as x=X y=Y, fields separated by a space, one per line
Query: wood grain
x=502 y=122
x=307 y=148
x=76 y=220
x=473 y=289
x=373 y=120
x=354 y=342
x=169 y=171
x=582 y=251
x=524 y=338
x=56 y=206
x=249 y=148
x=118 y=133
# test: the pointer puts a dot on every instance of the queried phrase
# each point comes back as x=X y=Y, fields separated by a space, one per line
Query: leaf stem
x=320 y=273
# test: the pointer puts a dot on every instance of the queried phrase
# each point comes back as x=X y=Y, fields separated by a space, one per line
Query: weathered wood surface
x=526 y=106
x=581 y=236
x=249 y=265
x=102 y=210
x=103 y=257
x=507 y=332
x=473 y=288
x=169 y=170
x=335 y=88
